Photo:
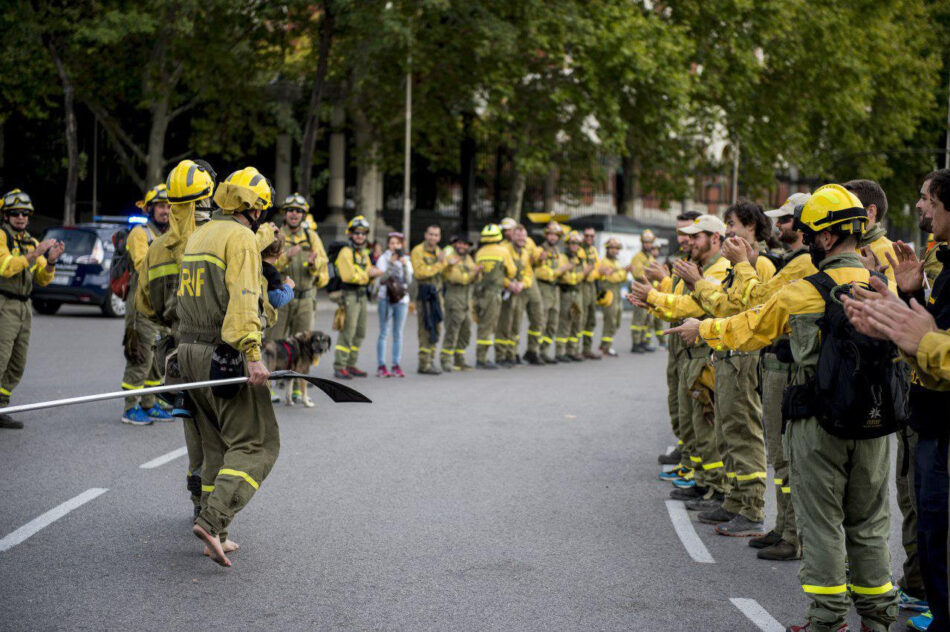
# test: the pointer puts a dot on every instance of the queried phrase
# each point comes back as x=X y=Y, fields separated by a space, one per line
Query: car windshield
x=78 y=242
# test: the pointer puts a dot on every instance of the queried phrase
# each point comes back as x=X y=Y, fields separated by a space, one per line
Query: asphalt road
x=522 y=499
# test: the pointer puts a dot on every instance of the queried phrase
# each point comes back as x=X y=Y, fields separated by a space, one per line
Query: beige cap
x=705 y=224
x=788 y=208
x=507 y=223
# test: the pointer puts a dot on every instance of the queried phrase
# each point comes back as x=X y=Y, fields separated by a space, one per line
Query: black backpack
x=120 y=274
x=860 y=387
x=335 y=284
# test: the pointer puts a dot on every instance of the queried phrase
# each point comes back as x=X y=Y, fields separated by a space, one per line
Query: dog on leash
x=297 y=353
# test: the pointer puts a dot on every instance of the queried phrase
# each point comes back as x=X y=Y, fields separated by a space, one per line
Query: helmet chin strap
x=255 y=222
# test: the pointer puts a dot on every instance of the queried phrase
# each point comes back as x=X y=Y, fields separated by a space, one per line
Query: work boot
x=516 y=360
x=486 y=365
x=430 y=370
x=781 y=551
x=672 y=458
x=562 y=358
x=8 y=422
x=463 y=366
x=716 y=516
x=804 y=628
x=768 y=539
x=576 y=357
x=706 y=503
x=591 y=355
x=341 y=374
x=690 y=493
x=741 y=527
x=531 y=357
x=354 y=372
x=548 y=360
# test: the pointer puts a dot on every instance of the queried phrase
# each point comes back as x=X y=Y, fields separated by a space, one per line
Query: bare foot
x=213 y=547
x=228 y=546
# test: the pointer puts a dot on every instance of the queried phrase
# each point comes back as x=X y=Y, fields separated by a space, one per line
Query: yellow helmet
x=491 y=234
x=575 y=237
x=605 y=298
x=554 y=227
x=189 y=182
x=16 y=200
x=357 y=223
x=297 y=202
x=613 y=242
x=155 y=195
x=647 y=235
x=245 y=189
x=831 y=206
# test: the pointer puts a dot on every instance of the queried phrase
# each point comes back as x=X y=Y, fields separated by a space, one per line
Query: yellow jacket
x=426 y=267
x=932 y=362
x=575 y=275
x=138 y=242
x=498 y=267
x=298 y=267
x=461 y=273
x=794 y=309
x=673 y=307
x=220 y=288
x=717 y=300
x=591 y=258
x=353 y=266
x=157 y=298
x=534 y=251
x=549 y=259
x=17 y=275
x=876 y=238
x=618 y=273
x=751 y=290
x=639 y=263
x=522 y=259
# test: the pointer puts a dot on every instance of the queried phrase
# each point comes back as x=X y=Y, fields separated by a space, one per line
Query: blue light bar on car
x=138 y=219
x=121 y=219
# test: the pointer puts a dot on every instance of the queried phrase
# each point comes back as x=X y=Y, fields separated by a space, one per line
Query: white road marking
x=49 y=518
x=165 y=458
x=684 y=529
x=757 y=614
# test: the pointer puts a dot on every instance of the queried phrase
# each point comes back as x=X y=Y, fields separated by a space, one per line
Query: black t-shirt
x=274 y=280
x=928 y=409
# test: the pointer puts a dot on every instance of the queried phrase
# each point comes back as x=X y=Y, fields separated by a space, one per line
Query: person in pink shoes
x=392 y=299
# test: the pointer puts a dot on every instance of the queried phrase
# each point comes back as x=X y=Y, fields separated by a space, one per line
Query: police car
x=82 y=272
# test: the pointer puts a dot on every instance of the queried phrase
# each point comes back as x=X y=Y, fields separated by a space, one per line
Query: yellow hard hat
x=357 y=223
x=613 y=242
x=605 y=298
x=155 y=195
x=647 y=235
x=491 y=233
x=296 y=201
x=243 y=190
x=574 y=236
x=189 y=182
x=16 y=200
x=831 y=206
x=553 y=227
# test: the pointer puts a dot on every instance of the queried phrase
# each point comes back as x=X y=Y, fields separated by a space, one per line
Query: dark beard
x=817 y=253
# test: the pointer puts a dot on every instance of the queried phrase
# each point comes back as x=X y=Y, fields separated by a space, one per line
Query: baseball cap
x=705 y=224
x=788 y=208
x=507 y=223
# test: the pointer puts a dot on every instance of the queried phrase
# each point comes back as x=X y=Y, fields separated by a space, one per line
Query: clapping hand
x=908 y=269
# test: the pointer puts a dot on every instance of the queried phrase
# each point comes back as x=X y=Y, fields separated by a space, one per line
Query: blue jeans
x=931 y=487
x=395 y=314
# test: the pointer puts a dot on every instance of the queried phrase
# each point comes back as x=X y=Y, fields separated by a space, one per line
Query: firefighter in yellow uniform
x=457 y=276
x=142 y=368
x=708 y=480
x=498 y=272
x=24 y=261
x=428 y=261
x=589 y=295
x=356 y=272
x=572 y=305
x=534 y=307
x=219 y=300
x=839 y=486
x=874 y=239
x=508 y=333
x=550 y=264
x=612 y=276
x=641 y=322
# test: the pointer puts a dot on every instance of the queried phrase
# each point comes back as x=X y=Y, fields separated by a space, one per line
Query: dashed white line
x=684 y=529
x=165 y=458
x=757 y=614
x=49 y=518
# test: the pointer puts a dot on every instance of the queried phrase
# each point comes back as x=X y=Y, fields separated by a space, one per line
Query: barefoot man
x=220 y=330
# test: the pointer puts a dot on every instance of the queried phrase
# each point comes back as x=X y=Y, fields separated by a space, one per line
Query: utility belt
x=17 y=297
x=731 y=353
x=569 y=288
x=352 y=287
x=450 y=284
x=696 y=353
x=201 y=339
x=303 y=293
x=435 y=281
x=545 y=282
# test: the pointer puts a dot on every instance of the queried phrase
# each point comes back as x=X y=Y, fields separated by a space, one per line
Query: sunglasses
x=19 y=213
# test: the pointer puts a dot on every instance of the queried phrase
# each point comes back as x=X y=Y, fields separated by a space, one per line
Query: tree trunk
x=631 y=177
x=550 y=185
x=72 y=137
x=155 y=155
x=467 y=167
x=516 y=194
x=367 y=170
x=282 y=162
x=309 y=141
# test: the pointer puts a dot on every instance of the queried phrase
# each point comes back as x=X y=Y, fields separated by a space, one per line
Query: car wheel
x=47 y=308
x=113 y=307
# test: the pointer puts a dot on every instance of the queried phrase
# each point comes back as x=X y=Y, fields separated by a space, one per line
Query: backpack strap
x=823 y=283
